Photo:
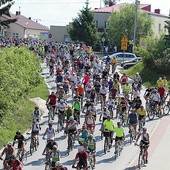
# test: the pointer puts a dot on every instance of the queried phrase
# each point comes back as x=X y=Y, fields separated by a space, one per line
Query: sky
x=61 y=12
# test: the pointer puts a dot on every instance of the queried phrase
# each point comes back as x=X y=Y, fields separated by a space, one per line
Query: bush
x=19 y=73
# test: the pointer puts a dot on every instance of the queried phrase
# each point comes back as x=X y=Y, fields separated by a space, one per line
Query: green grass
x=149 y=76
x=40 y=91
x=22 y=117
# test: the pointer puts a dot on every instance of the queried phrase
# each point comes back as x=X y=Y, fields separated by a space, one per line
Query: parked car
x=121 y=57
x=129 y=63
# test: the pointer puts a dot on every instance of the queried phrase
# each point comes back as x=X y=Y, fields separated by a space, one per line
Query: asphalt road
x=124 y=162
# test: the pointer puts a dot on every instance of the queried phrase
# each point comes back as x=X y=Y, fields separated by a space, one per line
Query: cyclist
x=133 y=121
x=35 y=130
x=120 y=136
x=144 y=143
x=77 y=109
x=109 y=125
x=114 y=62
x=90 y=122
x=51 y=102
x=91 y=147
x=159 y=82
x=71 y=127
x=61 y=108
x=55 y=155
x=155 y=98
x=50 y=132
x=103 y=93
x=68 y=112
x=84 y=135
x=36 y=114
x=141 y=115
x=111 y=105
x=60 y=93
x=124 y=79
x=21 y=140
x=8 y=151
x=14 y=164
x=126 y=90
x=82 y=158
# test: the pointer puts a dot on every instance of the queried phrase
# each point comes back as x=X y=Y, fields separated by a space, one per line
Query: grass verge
x=149 y=76
x=22 y=118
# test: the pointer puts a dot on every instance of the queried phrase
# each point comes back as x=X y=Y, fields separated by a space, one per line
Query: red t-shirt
x=52 y=99
x=84 y=154
x=86 y=79
x=161 y=91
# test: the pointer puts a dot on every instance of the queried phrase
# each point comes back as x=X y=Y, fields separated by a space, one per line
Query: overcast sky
x=61 y=12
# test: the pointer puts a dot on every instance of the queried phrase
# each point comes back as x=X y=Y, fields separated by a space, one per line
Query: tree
x=5 y=6
x=122 y=23
x=84 y=28
x=167 y=26
x=109 y=2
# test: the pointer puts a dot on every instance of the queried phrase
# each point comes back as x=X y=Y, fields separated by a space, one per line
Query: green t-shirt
x=109 y=125
x=119 y=131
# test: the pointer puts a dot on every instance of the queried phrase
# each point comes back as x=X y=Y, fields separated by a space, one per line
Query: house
x=23 y=28
x=59 y=34
x=101 y=16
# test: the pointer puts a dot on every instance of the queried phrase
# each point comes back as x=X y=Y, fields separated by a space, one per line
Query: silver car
x=121 y=57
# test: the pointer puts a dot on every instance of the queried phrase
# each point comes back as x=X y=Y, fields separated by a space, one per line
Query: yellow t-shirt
x=141 y=112
x=119 y=131
x=109 y=125
x=159 y=83
x=114 y=61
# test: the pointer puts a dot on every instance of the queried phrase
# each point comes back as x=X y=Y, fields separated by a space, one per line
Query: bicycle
x=22 y=155
x=59 y=123
x=70 y=142
x=34 y=143
x=80 y=168
x=118 y=148
x=90 y=159
x=166 y=108
x=132 y=134
x=142 y=157
x=48 y=161
x=107 y=141
x=50 y=113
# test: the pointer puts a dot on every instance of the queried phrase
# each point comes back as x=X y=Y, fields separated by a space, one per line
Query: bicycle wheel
x=47 y=166
x=101 y=136
x=24 y=158
x=31 y=148
x=140 y=160
x=166 y=109
x=105 y=145
x=69 y=145
x=151 y=115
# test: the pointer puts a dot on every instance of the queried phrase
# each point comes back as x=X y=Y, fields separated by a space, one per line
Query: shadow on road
x=67 y=163
x=131 y=168
x=108 y=160
x=36 y=163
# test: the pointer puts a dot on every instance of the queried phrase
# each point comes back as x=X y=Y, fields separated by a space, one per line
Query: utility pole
x=87 y=4
x=135 y=24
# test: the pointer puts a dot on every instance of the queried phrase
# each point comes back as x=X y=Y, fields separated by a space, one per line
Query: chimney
x=111 y=3
x=17 y=13
x=29 y=18
x=157 y=11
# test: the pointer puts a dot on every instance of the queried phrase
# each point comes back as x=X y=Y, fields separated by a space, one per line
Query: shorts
x=92 y=152
x=61 y=112
x=72 y=131
x=34 y=133
x=146 y=144
x=123 y=109
x=104 y=118
x=141 y=117
x=20 y=144
x=118 y=138
x=52 y=105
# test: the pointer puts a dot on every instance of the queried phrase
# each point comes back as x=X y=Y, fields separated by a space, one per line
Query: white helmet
x=80 y=148
x=58 y=164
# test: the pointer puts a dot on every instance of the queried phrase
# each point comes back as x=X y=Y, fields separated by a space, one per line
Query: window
x=159 y=29
x=97 y=23
x=106 y=23
x=15 y=35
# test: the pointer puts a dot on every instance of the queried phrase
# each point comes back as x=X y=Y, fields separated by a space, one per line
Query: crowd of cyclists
x=90 y=83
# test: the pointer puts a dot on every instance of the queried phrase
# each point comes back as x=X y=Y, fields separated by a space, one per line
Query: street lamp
x=135 y=25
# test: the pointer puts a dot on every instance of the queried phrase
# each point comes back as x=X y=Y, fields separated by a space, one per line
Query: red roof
x=26 y=22
x=114 y=8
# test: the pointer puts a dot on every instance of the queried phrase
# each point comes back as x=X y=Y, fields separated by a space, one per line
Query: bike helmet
x=54 y=146
x=144 y=129
x=50 y=124
x=71 y=118
x=9 y=144
x=58 y=164
x=18 y=132
x=80 y=148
